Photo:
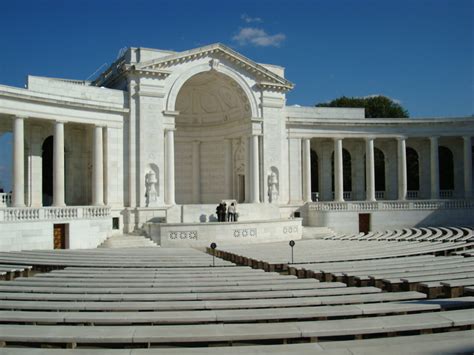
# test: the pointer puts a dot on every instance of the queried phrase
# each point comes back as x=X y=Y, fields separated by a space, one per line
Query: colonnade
x=370 y=168
x=18 y=188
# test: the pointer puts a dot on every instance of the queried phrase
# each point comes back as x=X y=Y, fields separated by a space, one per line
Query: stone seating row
x=413 y=234
x=277 y=256
x=134 y=257
x=72 y=335
x=338 y=296
x=459 y=342
x=410 y=273
x=9 y=271
x=227 y=316
x=185 y=293
x=169 y=286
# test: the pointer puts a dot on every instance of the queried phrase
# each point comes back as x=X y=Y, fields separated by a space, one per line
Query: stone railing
x=390 y=205
x=380 y=195
x=5 y=199
x=23 y=214
x=446 y=194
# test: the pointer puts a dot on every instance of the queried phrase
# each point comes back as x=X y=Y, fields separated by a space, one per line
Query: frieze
x=245 y=233
x=191 y=235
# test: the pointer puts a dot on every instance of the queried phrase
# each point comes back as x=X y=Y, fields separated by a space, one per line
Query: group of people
x=225 y=213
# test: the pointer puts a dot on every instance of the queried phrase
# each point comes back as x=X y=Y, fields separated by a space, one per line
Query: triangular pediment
x=265 y=77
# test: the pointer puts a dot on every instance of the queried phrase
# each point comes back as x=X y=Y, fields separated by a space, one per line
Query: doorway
x=364 y=222
x=59 y=235
x=241 y=188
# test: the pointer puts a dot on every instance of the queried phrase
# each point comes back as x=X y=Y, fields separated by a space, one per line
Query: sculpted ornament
x=214 y=63
x=273 y=187
x=151 y=194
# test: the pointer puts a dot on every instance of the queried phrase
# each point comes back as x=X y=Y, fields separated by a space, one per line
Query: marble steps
x=127 y=241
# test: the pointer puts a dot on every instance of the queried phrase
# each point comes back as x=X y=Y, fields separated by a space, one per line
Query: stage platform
x=201 y=235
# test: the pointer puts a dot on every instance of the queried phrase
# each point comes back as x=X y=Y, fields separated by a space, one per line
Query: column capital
x=22 y=117
x=337 y=138
x=467 y=138
x=369 y=138
x=170 y=129
x=401 y=138
x=434 y=138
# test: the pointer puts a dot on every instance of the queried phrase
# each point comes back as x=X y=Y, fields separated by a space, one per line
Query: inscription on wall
x=190 y=235
x=290 y=229
x=245 y=233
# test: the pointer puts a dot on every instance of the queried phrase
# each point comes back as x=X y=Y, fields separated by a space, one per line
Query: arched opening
x=47 y=170
x=446 y=168
x=347 y=173
x=413 y=172
x=314 y=175
x=210 y=141
x=379 y=168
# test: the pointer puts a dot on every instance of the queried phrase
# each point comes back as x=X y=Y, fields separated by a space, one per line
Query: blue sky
x=418 y=52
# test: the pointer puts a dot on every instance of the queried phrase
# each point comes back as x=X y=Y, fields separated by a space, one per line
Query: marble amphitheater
x=105 y=237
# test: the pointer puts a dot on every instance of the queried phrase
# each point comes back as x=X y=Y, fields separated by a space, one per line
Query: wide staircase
x=127 y=241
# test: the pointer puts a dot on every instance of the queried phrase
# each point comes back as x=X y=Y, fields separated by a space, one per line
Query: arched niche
x=214 y=113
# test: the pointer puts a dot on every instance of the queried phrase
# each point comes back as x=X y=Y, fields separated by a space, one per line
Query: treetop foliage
x=375 y=106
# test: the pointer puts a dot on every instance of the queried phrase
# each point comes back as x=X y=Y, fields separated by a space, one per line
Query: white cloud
x=376 y=95
x=248 y=19
x=258 y=37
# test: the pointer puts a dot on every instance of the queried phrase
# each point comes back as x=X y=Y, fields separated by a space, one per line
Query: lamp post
x=292 y=244
x=213 y=247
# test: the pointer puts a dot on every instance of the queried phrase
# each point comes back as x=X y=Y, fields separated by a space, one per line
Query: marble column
x=98 y=167
x=402 y=168
x=58 y=165
x=338 y=171
x=306 y=170
x=228 y=173
x=254 y=170
x=434 y=167
x=18 y=198
x=369 y=170
x=170 y=195
x=197 y=172
x=467 y=167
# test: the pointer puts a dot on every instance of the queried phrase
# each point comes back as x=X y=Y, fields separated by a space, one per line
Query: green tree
x=375 y=106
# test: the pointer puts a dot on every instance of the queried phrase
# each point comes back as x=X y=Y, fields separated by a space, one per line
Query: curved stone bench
x=208 y=333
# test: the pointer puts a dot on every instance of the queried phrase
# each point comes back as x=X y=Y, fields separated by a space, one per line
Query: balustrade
x=445 y=194
x=5 y=199
x=412 y=194
x=21 y=214
x=380 y=195
x=390 y=205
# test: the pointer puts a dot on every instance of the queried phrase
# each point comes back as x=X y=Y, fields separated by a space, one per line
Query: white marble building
x=164 y=136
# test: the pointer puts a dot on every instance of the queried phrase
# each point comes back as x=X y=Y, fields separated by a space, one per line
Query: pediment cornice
x=264 y=77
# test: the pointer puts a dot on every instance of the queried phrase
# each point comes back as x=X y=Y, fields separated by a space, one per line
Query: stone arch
x=446 y=168
x=212 y=107
x=182 y=78
x=413 y=169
